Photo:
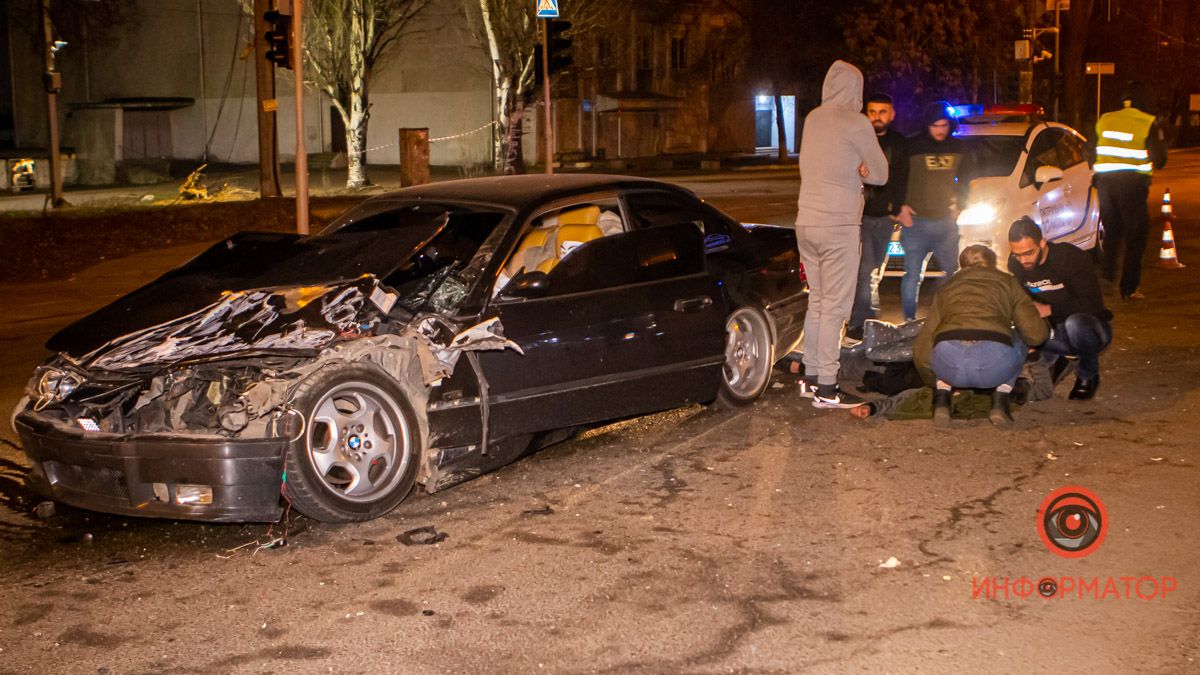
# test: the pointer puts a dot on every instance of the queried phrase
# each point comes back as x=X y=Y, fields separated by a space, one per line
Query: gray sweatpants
x=830 y=256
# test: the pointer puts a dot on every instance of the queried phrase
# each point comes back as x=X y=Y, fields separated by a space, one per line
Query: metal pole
x=1057 y=53
x=1099 y=77
x=53 y=81
x=268 y=137
x=548 y=134
x=301 y=150
x=203 y=90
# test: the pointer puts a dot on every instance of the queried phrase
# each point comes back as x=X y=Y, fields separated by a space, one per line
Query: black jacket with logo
x=1065 y=281
x=938 y=176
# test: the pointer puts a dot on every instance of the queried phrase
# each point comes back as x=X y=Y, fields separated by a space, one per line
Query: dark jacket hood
x=938 y=110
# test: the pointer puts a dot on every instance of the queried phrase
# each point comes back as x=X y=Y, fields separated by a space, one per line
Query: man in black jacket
x=882 y=209
x=1066 y=291
x=938 y=178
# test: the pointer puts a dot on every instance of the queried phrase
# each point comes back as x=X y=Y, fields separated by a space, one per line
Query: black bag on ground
x=895 y=378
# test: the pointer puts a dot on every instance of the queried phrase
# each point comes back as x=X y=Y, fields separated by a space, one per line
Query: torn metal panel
x=442 y=354
x=246 y=321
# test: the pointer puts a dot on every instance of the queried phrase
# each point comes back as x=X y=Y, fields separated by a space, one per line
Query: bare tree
x=508 y=31
x=346 y=42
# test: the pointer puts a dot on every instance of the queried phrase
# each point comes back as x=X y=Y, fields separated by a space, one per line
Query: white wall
x=197 y=49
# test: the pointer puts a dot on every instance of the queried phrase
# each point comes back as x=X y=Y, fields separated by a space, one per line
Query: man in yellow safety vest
x=1127 y=147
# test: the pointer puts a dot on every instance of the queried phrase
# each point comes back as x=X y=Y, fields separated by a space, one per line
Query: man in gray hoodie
x=838 y=153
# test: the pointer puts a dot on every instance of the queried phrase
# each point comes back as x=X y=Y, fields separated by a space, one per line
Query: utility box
x=414 y=157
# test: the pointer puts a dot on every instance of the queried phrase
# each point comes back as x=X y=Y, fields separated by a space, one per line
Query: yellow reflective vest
x=1121 y=142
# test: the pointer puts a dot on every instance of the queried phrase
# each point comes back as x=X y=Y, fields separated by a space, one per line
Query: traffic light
x=279 y=38
x=561 y=57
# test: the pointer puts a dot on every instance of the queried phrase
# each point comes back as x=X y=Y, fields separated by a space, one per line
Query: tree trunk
x=514 y=152
x=356 y=141
x=359 y=110
x=500 y=91
x=781 y=127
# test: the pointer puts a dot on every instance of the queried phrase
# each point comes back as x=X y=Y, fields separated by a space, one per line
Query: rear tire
x=749 y=358
x=359 y=455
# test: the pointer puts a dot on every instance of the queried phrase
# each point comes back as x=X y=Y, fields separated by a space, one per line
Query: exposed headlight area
x=53 y=384
x=979 y=213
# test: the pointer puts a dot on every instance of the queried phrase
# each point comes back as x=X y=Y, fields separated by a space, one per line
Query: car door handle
x=693 y=304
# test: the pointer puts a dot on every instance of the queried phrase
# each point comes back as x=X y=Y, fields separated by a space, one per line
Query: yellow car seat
x=575 y=227
x=532 y=243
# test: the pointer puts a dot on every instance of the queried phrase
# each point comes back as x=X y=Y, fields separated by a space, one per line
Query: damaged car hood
x=302 y=318
x=250 y=260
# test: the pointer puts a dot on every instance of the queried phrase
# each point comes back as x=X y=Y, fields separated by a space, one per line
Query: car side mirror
x=533 y=284
x=1046 y=174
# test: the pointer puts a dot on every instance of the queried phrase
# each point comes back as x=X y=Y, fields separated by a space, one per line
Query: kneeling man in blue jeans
x=977 y=335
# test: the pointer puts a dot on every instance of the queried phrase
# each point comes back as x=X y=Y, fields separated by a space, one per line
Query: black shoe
x=1000 y=414
x=1020 y=392
x=1084 y=389
x=855 y=333
x=1060 y=369
x=941 y=407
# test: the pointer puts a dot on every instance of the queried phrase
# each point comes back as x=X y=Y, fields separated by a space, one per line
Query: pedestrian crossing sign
x=547 y=9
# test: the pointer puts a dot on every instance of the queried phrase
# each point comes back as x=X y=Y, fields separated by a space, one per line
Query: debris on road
x=890 y=563
x=544 y=511
x=422 y=536
x=275 y=542
x=44 y=510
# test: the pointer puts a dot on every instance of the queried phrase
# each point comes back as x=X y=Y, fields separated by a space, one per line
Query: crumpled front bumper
x=116 y=473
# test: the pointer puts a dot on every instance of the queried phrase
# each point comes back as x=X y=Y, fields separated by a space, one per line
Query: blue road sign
x=547 y=9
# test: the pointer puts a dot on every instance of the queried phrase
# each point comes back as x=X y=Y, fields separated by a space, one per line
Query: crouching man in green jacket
x=977 y=334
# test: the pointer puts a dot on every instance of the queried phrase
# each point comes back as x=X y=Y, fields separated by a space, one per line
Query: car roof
x=1007 y=128
x=997 y=129
x=518 y=191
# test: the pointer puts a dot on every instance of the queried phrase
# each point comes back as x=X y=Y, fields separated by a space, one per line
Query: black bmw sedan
x=426 y=336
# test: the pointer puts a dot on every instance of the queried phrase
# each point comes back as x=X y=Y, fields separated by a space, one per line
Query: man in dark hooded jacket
x=937 y=190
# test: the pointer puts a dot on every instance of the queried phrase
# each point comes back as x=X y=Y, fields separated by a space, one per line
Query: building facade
x=176 y=81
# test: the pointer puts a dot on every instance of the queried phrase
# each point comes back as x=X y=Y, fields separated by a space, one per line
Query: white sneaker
x=807 y=389
x=839 y=400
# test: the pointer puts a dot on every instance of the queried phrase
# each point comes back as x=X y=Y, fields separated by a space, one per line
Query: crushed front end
x=190 y=419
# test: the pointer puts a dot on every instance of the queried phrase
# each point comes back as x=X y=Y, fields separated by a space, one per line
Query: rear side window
x=651 y=209
x=1043 y=152
x=636 y=257
x=1071 y=150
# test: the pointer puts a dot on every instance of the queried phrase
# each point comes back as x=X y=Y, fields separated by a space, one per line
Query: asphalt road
x=690 y=541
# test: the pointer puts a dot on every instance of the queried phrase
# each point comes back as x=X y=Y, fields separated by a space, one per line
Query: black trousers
x=1126 y=221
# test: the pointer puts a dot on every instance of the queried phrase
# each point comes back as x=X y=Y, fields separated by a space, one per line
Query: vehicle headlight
x=980 y=213
x=55 y=384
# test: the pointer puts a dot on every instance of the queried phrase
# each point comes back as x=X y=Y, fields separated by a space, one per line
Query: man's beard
x=880 y=127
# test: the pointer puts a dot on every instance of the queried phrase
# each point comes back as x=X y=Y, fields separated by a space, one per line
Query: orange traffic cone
x=1167 y=257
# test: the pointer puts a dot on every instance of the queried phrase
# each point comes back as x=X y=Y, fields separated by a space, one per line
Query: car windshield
x=994 y=155
x=444 y=240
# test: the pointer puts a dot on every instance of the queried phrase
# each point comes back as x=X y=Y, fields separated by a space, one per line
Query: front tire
x=749 y=358
x=360 y=451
